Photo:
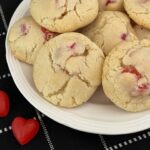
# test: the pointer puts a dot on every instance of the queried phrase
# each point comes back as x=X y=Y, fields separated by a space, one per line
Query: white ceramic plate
x=97 y=116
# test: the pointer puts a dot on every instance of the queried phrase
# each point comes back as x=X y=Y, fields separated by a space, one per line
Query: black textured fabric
x=52 y=136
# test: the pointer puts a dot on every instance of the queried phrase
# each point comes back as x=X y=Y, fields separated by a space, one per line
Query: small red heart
x=24 y=130
x=4 y=104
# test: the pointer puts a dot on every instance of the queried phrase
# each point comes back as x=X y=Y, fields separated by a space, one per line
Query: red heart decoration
x=24 y=130
x=4 y=104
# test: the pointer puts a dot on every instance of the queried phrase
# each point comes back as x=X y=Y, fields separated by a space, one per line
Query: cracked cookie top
x=109 y=29
x=126 y=75
x=113 y=5
x=64 y=15
x=26 y=37
x=139 y=11
x=68 y=69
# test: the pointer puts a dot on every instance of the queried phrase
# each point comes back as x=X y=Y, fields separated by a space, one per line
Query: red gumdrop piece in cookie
x=48 y=34
x=131 y=69
x=4 y=104
x=24 y=130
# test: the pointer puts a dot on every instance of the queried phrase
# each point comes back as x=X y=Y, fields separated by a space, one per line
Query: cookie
x=126 y=76
x=112 y=5
x=109 y=29
x=62 y=15
x=26 y=37
x=142 y=33
x=139 y=11
x=68 y=69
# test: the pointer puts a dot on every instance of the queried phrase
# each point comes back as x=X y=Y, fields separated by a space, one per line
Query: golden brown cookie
x=26 y=37
x=139 y=11
x=62 y=15
x=68 y=69
x=109 y=29
x=126 y=76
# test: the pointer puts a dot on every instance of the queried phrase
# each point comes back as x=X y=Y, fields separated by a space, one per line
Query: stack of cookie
x=69 y=66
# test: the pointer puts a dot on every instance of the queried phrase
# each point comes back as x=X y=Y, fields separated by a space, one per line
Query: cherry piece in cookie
x=4 y=104
x=143 y=87
x=109 y=2
x=48 y=34
x=24 y=29
x=140 y=88
x=75 y=48
x=131 y=69
x=72 y=46
x=24 y=130
x=124 y=36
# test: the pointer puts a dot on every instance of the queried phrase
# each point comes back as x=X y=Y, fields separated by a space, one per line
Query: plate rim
x=96 y=127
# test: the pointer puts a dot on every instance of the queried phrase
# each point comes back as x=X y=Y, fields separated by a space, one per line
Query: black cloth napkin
x=52 y=136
